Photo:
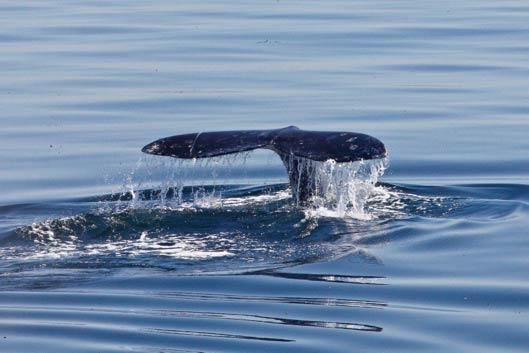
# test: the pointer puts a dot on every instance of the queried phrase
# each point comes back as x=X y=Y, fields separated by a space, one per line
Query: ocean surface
x=105 y=249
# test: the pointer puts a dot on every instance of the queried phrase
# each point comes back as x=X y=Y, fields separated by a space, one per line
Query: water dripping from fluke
x=325 y=169
x=338 y=190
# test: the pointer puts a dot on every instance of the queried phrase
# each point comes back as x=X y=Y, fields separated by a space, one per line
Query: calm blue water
x=434 y=261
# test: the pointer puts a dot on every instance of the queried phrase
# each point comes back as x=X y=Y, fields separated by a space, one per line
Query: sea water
x=105 y=250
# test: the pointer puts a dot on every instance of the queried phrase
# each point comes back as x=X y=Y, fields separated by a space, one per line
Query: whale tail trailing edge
x=289 y=143
x=208 y=144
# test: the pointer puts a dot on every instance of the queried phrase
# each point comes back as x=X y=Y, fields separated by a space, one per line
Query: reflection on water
x=353 y=303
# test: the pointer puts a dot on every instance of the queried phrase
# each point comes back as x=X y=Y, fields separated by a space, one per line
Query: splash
x=337 y=189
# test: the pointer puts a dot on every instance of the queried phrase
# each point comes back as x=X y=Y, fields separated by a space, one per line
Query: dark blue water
x=105 y=250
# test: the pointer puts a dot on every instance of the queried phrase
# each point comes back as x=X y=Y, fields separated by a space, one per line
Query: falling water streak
x=167 y=177
x=336 y=189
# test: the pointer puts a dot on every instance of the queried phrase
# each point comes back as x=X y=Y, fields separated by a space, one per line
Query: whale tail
x=290 y=143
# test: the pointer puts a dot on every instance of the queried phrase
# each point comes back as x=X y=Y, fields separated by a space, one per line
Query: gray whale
x=292 y=144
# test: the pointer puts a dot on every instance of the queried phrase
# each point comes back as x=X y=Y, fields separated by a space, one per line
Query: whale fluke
x=290 y=143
